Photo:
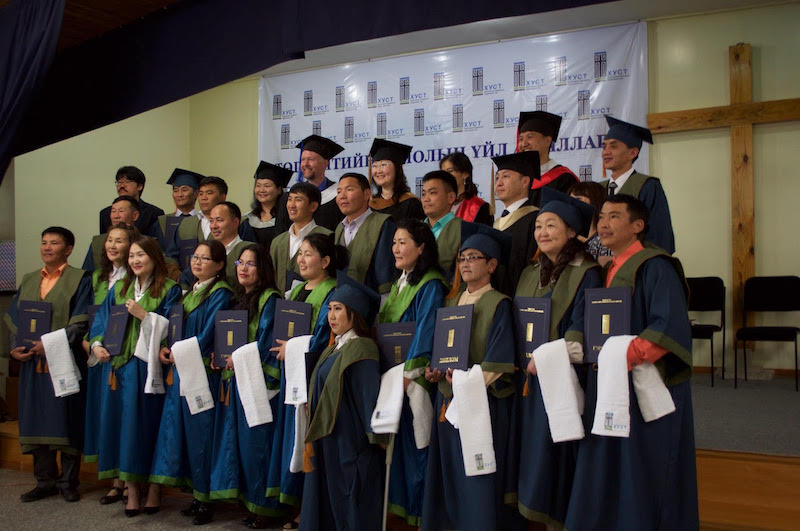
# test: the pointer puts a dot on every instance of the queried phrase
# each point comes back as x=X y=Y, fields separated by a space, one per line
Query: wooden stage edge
x=736 y=490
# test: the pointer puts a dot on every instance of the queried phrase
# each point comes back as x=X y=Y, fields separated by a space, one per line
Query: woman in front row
x=183 y=450
x=562 y=271
x=129 y=418
x=344 y=481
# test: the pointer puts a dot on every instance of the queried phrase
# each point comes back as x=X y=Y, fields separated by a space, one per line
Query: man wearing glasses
x=130 y=181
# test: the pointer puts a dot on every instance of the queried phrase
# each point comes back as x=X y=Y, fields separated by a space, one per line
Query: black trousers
x=45 y=468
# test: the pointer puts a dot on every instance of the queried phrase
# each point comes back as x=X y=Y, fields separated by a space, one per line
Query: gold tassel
x=222 y=391
x=332 y=340
x=525 y=390
x=112 y=380
x=38 y=364
x=228 y=396
x=169 y=380
x=45 y=368
x=456 y=285
x=442 y=412
x=308 y=453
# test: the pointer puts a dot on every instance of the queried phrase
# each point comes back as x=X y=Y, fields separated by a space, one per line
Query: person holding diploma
x=129 y=417
x=183 y=449
x=240 y=453
x=453 y=500
x=48 y=424
x=391 y=194
x=562 y=270
x=647 y=480
x=114 y=266
x=318 y=260
x=414 y=297
x=343 y=462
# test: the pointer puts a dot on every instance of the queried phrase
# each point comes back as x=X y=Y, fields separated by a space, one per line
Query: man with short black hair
x=48 y=424
x=130 y=181
x=196 y=229
x=124 y=210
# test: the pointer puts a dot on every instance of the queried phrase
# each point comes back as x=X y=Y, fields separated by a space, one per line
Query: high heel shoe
x=132 y=512
x=151 y=510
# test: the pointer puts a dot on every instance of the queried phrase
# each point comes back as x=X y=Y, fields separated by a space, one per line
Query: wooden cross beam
x=740 y=116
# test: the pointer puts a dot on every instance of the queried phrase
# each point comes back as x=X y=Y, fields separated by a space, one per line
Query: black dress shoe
x=111 y=498
x=204 y=514
x=130 y=513
x=151 y=510
x=192 y=509
x=70 y=495
x=38 y=493
x=249 y=519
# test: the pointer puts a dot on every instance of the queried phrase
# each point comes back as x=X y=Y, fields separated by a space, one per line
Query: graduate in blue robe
x=546 y=468
x=415 y=297
x=647 y=480
x=344 y=481
x=48 y=425
x=183 y=451
x=129 y=418
x=240 y=453
x=453 y=500
x=318 y=260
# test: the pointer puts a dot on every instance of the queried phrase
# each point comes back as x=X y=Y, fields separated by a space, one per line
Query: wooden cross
x=740 y=116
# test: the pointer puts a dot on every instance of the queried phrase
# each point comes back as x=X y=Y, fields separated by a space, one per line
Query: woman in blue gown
x=414 y=297
x=344 y=481
x=241 y=453
x=318 y=260
x=562 y=271
x=183 y=450
x=129 y=418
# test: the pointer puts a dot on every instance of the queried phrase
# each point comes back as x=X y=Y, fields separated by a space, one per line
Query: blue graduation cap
x=491 y=242
x=356 y=296
x=632 y=135
x=181 y=177
x=575 y=213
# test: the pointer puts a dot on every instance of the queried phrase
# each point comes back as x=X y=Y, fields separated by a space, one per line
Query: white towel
x=475 y=431
x=562 y=394
x=61 y=364
x=152 y=332
x=300 y=429
x=612 y=413
x=192 y=373
x=422 y=414
x=295 y=370
x=251 y=385
x=386 y=416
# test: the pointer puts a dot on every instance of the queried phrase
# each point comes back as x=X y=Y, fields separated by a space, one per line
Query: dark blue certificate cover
x=172 y=226
x=34 y=321
x=608 y=313
x=115 y=329
x=533 y=326
x=230 y=333
x=185 y=251
x=292 y=318
x=175 y=332
x=451 y=338
x=394 y=341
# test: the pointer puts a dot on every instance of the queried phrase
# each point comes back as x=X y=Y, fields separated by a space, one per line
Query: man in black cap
x=315 y=153
x=536 y=132
x=184 y=194
x=620 y=150
x=130 y=181
x=512 y=186
x=195 y=229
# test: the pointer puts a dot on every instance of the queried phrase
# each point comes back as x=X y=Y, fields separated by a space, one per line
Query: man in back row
x=130 y=181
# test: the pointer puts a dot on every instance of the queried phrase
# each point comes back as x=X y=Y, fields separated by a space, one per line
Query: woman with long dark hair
x=391 y=194
x=183 y=451
x=258 y=225
x=129 y=417
x=468 y=205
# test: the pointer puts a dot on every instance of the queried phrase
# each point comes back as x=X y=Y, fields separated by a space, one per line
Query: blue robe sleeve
x=246 y=232
x=156 y=232
x=88 y=262
x=501 y=346
x=264 y=339
x=573 y=320
x=98 y=329
x=363 y=381
x=187 y=279
x=659 y=225
x=172 y=296
x=322 y=329
x=219 y=300
x=382 y=270
x=428 y=299
x=172 y=249
x=79 y=306
x=659 y=307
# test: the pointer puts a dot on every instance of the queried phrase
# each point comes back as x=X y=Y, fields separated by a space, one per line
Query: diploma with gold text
x=608 y=313
x=451 y=338
x=533 y=326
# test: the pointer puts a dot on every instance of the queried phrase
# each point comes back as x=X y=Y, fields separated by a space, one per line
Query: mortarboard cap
x=524 y=162
x=491 y=242
x=356 y=296
x=542 y=122
x=632 y=135
x=575 y=213
x=181 y=177
x=277 y=174
x=387 y=150
x=325 y=147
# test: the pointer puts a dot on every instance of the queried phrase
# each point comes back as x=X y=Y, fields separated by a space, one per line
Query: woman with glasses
x=183 y=452
x=240 y=458
x=391 y=194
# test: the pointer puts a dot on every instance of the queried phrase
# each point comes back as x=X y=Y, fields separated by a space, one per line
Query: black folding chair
x=707 y=294
x=768 y=294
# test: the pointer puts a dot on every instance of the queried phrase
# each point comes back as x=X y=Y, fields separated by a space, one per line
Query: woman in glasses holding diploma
x=343 y=463
x=129 y=417
x=414 y=297
x=183 y=450
x=561 y=271
x=241 y=453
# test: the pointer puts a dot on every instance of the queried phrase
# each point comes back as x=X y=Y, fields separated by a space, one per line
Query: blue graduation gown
x=240 y=453
x=94 y=387
x=381 y=271
x=649 y=480
x=659 y=224
x=184 y=444
x=546 y=469
x=452 y=500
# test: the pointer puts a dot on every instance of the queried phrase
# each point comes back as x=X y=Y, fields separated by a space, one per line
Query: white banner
x=465 y=99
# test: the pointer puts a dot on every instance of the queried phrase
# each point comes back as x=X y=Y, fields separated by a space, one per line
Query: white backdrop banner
x=466 y=99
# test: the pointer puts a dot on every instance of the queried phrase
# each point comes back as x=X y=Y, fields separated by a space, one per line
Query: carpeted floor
x=760 y=416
